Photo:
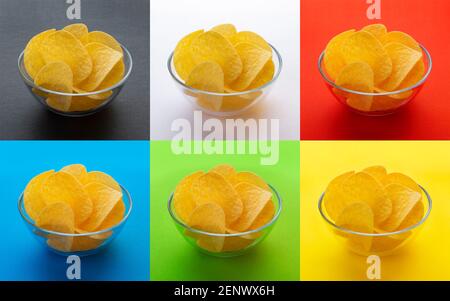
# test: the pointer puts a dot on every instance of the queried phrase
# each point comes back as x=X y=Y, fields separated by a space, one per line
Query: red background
x=427 y=117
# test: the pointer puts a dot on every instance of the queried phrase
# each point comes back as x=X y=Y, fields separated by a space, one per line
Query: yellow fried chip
x=385 y=103
x=209 y=217
x=182 y=57
x=362 y=187
x=388 y=243
x=334 y=198
x=212 y=187
x=85 y=243
x=84 y=103
x=77 y=170
x=398 y=178
x=263 y=218
x=414 y=216
x=33 y=59
x=104 y=59
x=401 y=37
x=183 y=201
x=32 y=198
x=102 y=38
x=114 y=217
x=251 y=178
x=264 y=77
x=254 y=200
x=63 y=187
x=57 y=217
x=212 y=46
x=403 y=201
x=236 y=243
x=56 y=76
x=357 y=217
x=359 y=77
x=378 y=172
x=363 y=46
x=227 y=30
x=225 y=170
x=333 y=60
x=79 y=30
x=114 y=77
x=414 y=76
x=63 y=46
x=253 y=59
x=251 y=38
x=404 y=59
x=104 y=199
x=378 y=30
x=207 y=76
x=101 y=177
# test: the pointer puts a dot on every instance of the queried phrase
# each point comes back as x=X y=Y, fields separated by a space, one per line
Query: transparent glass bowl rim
x=173 y=73
x=330 y=222
x=124 y=219
x=419 y=83
x=274 y=219
x=26 y=78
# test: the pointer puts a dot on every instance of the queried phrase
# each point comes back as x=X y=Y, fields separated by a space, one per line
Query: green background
x=172 y=258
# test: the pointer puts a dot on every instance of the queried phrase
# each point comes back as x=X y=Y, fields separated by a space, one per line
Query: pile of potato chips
x=74 y=201
x=74 y=60
x=374 y=60
x=224 y=201
x=223 y=60
x=373 y=201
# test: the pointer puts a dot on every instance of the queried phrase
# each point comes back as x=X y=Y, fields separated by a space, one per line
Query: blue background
x=23 y=258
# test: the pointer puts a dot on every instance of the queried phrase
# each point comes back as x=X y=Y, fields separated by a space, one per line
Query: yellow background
x=323 y=257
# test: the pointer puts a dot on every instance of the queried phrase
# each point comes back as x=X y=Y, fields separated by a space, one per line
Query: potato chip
x=378 y=30
x=227 y=30
x=114 y=77
x=265 y=76
x=225 y=170
x=209 y=217
x=414 y=76
x=57 y=217
x=378 y=172
x=79 y=30
x=101 y=177
x=357 y=76
x=403 y=201
x=212 y=46
x=385 y=103
x=85 y=243
x=56 y=76
x=64 y=47
x=334 y=198
x=182 y=57
x=208 y=76
x=362 y=187
x=250 y=178
x=404 y=59
x=363 y=46
x=253 y=59
x=266 y=215
x=77 y=170
x=212 y=187
x=104 y=199
x=103 y=38
x=357 y=217
x=333 y=58
x=398 y=178
x=183 y=201
x=114 y=217
x=63 y=187
x=33 y=59
x=402 y=38
x=254 y=200
x=383 y=244
x=236 y=243
x=414 y=216
x=104 y=59
x=251 y=38
x=238 y=102
x=84 y=103
x=32 y=199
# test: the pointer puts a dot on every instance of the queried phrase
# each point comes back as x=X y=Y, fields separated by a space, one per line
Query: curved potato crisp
x=77 y=170
x=102 y=38
x=183 y=201
x=378 y=30
x=32 y=199
x=398 y=178
x=334 y=199
x=378 y=172
x=101 y=177
x=264 y=77
x=402 y=38
x=251 y=38
x=209 y=217
x=227 y=30
x=182 y=57
x=251 y=178
x=79 y=30
x=33 y=59
x=333 y=60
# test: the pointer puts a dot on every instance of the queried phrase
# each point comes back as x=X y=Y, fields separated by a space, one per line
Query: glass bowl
x=77 y=244
x=226 y=104
x=380 y=243
x=235 y=244
x=82 y=104
x=385 y=103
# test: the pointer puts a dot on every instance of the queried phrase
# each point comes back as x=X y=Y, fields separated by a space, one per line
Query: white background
x=278 y=21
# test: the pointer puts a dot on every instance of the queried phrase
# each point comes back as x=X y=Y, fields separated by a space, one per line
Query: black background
x=23 y=118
